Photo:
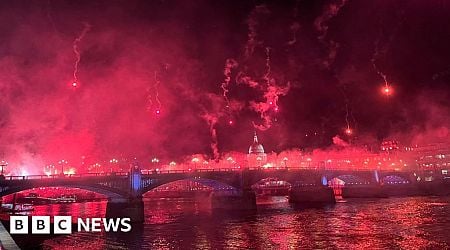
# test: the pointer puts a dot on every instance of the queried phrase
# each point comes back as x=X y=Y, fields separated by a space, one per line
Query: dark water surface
x=394 y=223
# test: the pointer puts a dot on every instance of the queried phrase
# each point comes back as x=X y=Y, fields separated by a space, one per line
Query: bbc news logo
x=63 y=225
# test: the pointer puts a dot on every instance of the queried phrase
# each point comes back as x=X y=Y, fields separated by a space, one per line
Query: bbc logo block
x=63 y=225
x=40 y=224
x=18 y=225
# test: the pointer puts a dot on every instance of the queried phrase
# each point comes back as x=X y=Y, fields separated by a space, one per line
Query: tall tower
x=256 y=156
x=135 y=180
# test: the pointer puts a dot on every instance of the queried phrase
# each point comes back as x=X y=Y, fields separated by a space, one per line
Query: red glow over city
x=342 y=156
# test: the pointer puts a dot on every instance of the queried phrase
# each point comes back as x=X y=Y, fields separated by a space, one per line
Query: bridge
x=231 y=187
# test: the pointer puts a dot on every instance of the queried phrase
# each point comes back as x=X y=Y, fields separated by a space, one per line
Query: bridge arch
x=215 y=185
x=272 y=181
x=394 y=180
x=348 y=179
x=110 y=193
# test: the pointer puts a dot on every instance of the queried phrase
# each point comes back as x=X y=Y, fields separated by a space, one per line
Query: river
x=394 y=223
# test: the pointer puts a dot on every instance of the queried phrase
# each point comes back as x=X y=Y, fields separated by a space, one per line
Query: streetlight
x=285 y=159
x=49 y=170
x=155 y=162
x=195 y=160
x=113 y=161
x=62 y=162
x=97 y=167
x=3 y=164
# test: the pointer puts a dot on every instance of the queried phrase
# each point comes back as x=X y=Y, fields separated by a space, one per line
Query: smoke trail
x=378 y=52
x=253 y=24
x=271 y=92
x=270 y=106
x=271 y=95
x=76 y=51
x=321 y=26
x=155 y=89
x=242 y=78
x=330 y=11
x=295 y=26
x=49 y=16
x=268 y=69
x=441 y=74
x=339 y=142
x=348 y=130
x=158 y=102
x=212 y=112
x=230 y=64
x=212 y=122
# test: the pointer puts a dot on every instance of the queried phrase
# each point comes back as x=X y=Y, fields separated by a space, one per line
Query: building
x=256 y=156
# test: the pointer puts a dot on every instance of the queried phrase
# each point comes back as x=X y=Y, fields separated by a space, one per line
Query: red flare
x=387 y=90
x=349 y=131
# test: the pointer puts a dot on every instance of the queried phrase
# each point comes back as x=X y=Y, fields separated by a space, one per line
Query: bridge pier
x=132 y=208
x=364 y=191
x=240 y=200
x=311 y=195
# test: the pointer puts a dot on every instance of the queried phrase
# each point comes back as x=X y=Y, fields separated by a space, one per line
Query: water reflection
x=409 y=223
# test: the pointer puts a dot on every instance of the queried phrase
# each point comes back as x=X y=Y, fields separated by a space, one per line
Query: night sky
x=138 y=58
